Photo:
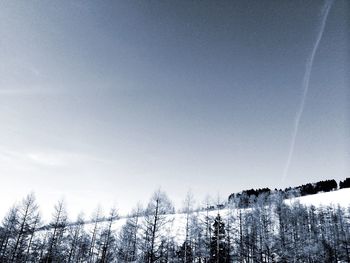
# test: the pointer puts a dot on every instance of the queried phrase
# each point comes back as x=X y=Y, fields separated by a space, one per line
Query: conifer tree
x=218 y=245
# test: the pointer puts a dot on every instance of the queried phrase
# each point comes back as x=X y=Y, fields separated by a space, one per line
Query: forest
x=269 y=229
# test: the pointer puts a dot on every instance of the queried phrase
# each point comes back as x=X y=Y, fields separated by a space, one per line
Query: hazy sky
x=105 y=101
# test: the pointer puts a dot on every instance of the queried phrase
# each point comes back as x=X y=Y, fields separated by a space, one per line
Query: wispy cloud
x=46 y=158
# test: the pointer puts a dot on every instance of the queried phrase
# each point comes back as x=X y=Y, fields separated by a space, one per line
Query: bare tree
x=28 y=218
x=74 y=237
x=128 y=237
x=58 y=226
x=107 y=238
x=96 y=219
x=207 y=223
x=188 y=209
x=8 y=233
x=36 y=224
x=155 y=220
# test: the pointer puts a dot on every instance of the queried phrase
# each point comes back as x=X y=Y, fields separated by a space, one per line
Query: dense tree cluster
x=345 y=183
x=270 y=230
x=321 y=186
x=248 y=197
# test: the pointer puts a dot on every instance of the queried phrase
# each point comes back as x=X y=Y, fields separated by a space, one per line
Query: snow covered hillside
x=177 y=222
x=340 y=197
x=312 y=228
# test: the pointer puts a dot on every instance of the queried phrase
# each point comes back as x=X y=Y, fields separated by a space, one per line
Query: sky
x=103 y=102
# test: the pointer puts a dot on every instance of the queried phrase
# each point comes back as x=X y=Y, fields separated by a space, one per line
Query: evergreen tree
x=218 y=246
x=344 y=184
x=185 y=252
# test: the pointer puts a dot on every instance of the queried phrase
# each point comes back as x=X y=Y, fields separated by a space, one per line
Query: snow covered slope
x=176 y=227
x=341 y=197
x=178 y=221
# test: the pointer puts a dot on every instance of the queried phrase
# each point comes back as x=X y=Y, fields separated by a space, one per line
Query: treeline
x=345 y=183
x=271 y=230
x=248 y=197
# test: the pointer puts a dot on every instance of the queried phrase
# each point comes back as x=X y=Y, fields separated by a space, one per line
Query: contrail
x=305 y=84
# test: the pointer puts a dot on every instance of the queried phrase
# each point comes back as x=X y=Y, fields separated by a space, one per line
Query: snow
x=178 y=221
x=176 y=228
x=340 y=197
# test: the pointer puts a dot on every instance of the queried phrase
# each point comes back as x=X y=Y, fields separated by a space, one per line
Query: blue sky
x=103 y=102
